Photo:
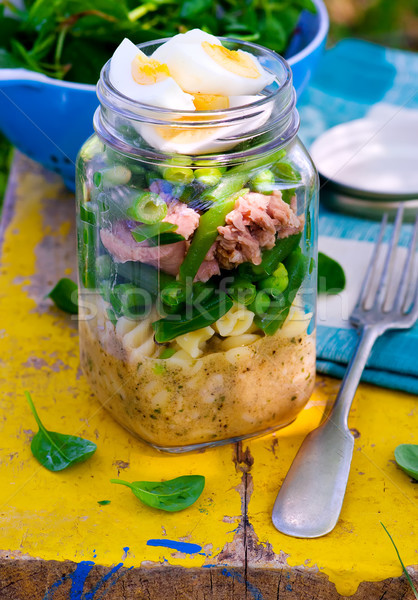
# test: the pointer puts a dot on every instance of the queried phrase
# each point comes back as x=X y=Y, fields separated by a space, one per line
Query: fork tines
x=383 y=290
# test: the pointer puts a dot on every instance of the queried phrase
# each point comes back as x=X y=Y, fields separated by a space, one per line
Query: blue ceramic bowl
x=49 y=120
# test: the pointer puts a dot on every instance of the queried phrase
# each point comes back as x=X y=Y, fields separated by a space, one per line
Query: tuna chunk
x=186 y=218
x=252 y=226
x=209 y=266
x=122 y=246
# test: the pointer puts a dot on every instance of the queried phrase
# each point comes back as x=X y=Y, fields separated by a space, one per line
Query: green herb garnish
x=331 y=276
x=403 y=566
x=172 y=495
x=103 y=502
x=406 y=456
x=64 y=295
x=57 y=451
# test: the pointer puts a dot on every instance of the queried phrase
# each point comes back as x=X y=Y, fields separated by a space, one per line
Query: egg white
x=196 y=140
x=198 y=73
x=165 y=93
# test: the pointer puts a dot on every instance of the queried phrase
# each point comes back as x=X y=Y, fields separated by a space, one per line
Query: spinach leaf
x=72 y=39
x=172 y=495
x=64 y=295
x=57 y=451
x=331 y=276
x=406 y=456
x=204 y=312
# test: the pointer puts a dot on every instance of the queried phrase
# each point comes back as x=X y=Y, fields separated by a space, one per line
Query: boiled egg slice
x=201 y=65
x=145 y=79
x=199 y=139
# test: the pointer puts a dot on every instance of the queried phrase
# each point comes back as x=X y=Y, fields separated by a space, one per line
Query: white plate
x=377 y=154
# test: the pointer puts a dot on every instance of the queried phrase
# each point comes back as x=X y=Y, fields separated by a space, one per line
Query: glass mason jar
x=197 y=264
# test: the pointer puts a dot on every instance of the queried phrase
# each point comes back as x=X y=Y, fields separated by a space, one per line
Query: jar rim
x=124 y=103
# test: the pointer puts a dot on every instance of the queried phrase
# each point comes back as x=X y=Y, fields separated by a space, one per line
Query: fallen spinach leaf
x=402 y=565
x=57 y=451
x=172 y=495
x=63 y=295
x=406 y=456
x=331 y=276
x=103 y=502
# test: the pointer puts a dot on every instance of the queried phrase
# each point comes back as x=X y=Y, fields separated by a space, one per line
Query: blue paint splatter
x=254 y=591
x=78 y=582
x=185 y=547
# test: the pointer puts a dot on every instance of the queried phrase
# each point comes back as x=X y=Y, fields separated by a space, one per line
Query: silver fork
x=310 y=499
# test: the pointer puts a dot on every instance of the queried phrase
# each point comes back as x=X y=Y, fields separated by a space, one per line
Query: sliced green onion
x=148 y=208
x=181 y=160
x=173 y=294
x=167 y=353
x=178 y=175
x=208 y=176
x=117 y=175
x=263 y=182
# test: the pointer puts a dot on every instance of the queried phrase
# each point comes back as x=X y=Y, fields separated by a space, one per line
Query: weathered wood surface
x=58 y=543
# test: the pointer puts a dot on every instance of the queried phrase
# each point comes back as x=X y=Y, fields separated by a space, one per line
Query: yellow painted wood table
x=59 y=543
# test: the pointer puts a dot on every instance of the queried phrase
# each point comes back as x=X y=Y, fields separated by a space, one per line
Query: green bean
x=97 y=178
x=207 y=233
x=144 y=276
x=87 y=240
x=103 y=266
x=264 y=161
x=128 y=300
x=271 y=258
x=148 y=208
x=284 y=171
x=156 y=234
x=230 y=184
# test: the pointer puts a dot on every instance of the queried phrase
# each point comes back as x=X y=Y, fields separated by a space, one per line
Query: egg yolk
x=210 y=102
x=231 y=60
x=147 y=71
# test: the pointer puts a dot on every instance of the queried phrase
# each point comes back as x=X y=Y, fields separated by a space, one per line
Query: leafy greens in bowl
x=51 y=54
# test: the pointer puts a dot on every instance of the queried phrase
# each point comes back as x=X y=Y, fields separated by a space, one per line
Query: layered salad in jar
x=196 y=271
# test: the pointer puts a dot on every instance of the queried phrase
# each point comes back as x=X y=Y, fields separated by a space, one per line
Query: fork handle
x=310 y=499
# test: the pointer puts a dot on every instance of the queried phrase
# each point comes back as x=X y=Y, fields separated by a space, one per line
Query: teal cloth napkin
x=352 y=78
